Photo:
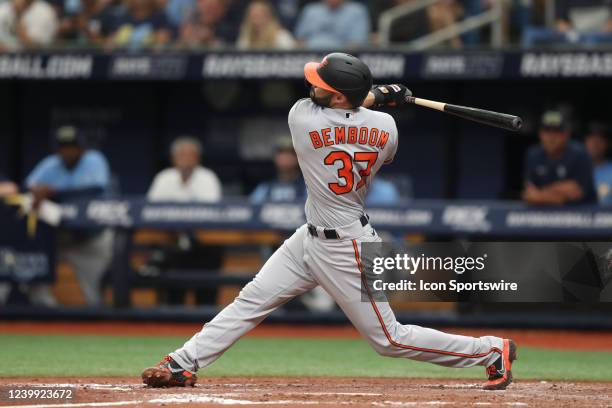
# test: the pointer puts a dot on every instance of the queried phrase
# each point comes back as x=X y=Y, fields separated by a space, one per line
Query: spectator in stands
x=587 y=22
x=331 y=24
x=75 y=172
x=597 y=143
x=287 y=11
x=142 y=25
x=88 y=21
x=558 y=170
x=422 y=22
x=261 y=29
x=26 y=24
x=187 y=180
x=289 y=184
x=207 y=27
x=7 y=187
x=178 y=11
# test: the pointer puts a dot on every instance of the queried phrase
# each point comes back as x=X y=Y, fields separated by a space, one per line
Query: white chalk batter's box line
x=236 y=398
x=226 y=401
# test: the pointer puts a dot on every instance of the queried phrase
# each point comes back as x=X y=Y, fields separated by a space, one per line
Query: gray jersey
x=339 y=151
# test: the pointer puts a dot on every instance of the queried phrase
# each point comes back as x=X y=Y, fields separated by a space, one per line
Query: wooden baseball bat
x=500 y=120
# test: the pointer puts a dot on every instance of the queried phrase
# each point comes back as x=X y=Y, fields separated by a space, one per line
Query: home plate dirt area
x=317 y=391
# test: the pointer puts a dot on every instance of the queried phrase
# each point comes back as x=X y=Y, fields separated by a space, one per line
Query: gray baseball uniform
x=339 y=152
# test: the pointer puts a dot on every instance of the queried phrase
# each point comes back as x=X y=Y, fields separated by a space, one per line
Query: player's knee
x=384 y=348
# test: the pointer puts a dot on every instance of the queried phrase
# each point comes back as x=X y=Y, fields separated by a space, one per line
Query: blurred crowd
x=286 y=24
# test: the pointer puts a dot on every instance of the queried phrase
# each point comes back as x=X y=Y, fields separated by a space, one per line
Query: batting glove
x=390 y=95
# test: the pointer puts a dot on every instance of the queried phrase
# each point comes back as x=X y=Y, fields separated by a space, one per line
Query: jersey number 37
x=346 y=171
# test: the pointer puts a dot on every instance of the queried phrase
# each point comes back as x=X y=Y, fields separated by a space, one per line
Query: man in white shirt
x=26 y=23
x=187 y=181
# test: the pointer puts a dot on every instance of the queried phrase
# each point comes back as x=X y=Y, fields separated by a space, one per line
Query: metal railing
x=493 y=17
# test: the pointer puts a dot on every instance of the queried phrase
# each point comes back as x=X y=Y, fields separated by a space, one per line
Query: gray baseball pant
x=302 y=263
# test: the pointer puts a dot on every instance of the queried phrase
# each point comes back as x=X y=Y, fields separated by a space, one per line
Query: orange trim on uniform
x=404 y=346
x=312 y=76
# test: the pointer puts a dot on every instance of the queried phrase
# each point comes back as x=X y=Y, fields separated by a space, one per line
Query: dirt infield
x=327 y=392
x=551 y=339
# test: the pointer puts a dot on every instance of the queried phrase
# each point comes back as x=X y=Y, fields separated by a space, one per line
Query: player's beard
x=323 y=101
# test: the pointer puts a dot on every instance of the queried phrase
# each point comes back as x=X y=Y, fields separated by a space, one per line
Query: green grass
x=115 y=356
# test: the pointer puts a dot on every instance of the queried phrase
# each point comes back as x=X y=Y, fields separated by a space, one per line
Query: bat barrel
x=497 y=119
x=500 y=120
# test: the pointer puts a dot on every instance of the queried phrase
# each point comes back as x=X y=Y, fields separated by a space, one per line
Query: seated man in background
x=75 y=172
x=187 y=182
x=330 y=24
x=597 y=143
x=288 y=184
x=558 y=170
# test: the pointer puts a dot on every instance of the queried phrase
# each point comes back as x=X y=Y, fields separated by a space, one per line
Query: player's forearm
x=369 y=100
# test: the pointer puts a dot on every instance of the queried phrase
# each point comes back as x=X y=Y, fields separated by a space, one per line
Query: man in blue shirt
x=289 y=184
x=330 y=24
x=596 y=142
x=75 y=172
x=558 y=171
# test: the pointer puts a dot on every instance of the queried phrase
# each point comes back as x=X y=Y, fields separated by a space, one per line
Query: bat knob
x=407 y=94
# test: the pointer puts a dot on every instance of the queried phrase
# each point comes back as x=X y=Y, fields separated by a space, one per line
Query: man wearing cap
x=558 y=171
x=75 y=172
x=597 y=143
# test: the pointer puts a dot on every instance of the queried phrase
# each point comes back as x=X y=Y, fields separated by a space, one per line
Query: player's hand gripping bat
x=396 y=94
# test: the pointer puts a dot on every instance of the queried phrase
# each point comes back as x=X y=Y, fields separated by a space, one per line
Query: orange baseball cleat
x=168 y=374
x=500 y=372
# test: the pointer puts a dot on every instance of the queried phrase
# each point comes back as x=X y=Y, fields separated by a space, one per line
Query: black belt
x=331 y=233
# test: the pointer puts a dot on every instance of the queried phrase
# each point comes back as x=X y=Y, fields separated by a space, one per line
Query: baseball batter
x=340 y=145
